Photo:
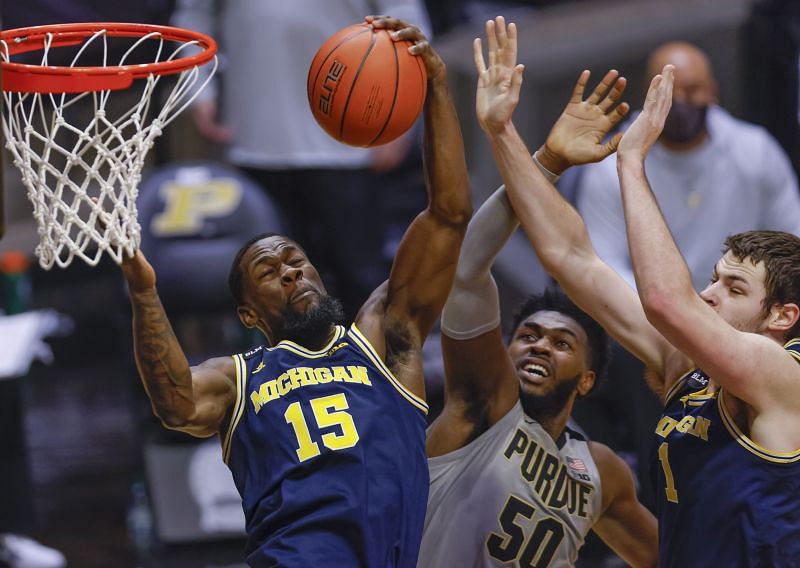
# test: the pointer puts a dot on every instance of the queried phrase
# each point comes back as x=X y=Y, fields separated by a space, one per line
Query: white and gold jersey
x=511 y=497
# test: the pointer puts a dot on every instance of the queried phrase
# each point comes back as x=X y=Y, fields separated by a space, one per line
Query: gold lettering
x=307 y=377
x=323 y=375
x=340 y=374
x=266 y=393
x=701 y=426
x=686 y=424
x=284 y=384
x=665 y=426
x=360 y=374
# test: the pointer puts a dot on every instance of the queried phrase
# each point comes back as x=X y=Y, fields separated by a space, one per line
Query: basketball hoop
x=82 y=169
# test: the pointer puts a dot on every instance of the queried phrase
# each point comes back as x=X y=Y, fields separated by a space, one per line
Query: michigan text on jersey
x=299 y=377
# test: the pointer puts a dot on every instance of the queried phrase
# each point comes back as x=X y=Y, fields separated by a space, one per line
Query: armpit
x=399 y=346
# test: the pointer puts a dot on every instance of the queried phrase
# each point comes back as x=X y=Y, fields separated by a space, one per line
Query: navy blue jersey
x=722 y=499
x=327 y=449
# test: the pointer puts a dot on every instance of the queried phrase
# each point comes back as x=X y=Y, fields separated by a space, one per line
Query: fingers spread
x=580 y=86
x=603 y=87
x=502 y=35
x=477 y=53
x=613 y=95
x=619 y=113
x=491 y=42
x=516 y=82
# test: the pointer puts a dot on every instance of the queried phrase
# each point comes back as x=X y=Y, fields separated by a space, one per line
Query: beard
x=312 y=327
x=540 y=406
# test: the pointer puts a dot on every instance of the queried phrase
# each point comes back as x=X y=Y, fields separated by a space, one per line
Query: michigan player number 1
x=663 y=457
x=329 y=411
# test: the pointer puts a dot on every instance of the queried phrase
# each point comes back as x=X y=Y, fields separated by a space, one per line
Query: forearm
x=472 y=308
x=443 y=155
x=554 y=228
x=658 y=266
x=162 y=365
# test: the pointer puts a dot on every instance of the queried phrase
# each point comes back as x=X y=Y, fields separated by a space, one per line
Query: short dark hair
x=780 y=253
x=235 y=273
x=555 y=300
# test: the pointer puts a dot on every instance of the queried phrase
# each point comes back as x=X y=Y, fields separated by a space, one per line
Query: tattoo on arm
x=162 y=364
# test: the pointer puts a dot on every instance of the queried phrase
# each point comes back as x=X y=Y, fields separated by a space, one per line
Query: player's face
x=278 y=278
x=736 y=292
x=549 y=351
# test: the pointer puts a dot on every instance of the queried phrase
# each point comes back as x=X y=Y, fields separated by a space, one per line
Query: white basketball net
x=82 y=169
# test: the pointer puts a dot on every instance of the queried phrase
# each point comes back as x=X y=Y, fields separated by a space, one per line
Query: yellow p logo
x=187 y=205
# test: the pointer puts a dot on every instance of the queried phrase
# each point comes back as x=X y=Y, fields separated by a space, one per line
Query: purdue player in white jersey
x=510 y=484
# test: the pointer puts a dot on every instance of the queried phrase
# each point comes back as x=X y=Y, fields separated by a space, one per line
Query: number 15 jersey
x=327 y=450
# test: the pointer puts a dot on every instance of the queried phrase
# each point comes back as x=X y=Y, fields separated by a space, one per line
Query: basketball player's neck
x=552 y=420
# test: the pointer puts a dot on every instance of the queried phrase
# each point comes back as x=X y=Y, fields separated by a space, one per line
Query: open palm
x=578 y=134
x=500 y=82
x=647 y=127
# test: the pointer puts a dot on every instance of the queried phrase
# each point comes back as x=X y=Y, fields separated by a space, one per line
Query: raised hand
x=647 y=127
x=500 y=82
x=577 y=136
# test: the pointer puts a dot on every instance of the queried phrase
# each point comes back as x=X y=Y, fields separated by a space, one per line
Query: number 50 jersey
x=511 y=497
x=327 y=449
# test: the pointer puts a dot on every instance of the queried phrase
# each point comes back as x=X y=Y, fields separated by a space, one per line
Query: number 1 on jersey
x=328 y=411
x=663 y=457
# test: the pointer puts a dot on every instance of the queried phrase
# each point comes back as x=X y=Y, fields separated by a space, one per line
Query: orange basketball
x=365 y=89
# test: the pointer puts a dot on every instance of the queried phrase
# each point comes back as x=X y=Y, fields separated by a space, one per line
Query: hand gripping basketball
x=366 y=84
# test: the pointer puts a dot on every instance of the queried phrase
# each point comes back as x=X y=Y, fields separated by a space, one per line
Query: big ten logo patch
x=187 y=204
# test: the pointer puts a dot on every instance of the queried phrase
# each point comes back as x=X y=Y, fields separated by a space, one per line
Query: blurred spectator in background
x=259 y=109
x=713 y=176
x=41 y=12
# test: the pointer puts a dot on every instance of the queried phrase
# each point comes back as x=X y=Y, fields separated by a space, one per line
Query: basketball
x=365 y=89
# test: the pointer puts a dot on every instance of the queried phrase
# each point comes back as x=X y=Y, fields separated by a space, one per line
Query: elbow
x=658 y=304
x=172 y=420
x=456 y=214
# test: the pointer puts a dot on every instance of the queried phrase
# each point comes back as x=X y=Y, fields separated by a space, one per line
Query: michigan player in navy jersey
x=323 y=429
x=727 y=451
x=511 y=484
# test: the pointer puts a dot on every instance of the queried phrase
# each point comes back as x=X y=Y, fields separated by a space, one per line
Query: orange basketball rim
x=82 y=169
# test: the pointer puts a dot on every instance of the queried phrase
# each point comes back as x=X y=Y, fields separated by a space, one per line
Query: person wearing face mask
x=713 y=176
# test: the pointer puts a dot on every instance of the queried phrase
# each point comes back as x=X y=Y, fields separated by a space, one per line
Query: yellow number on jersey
x=328 y=411
x=663 y=457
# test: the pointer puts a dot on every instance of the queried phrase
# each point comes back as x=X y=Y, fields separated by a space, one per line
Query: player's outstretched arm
x=750 y=366
x=625 y=525
x=195 y=400
x=424 y=267
x=554 y=228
